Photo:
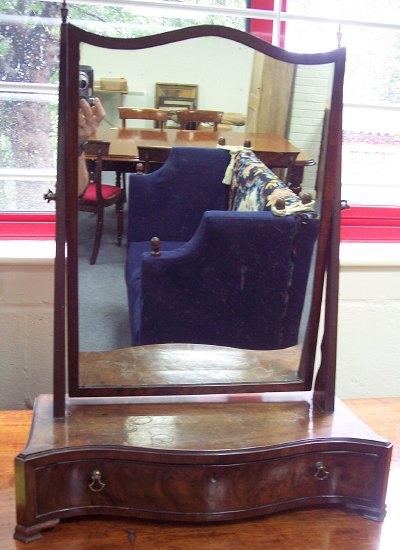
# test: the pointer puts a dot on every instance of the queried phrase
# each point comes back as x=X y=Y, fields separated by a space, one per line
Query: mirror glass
x=274 y=104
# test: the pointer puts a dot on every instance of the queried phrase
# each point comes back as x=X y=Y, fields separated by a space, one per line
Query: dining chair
x=157 y=115
x=151 y=158
x=98 y=196
x=189 y=119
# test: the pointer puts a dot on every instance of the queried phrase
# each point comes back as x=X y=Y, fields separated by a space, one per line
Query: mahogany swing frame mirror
x=326 y=249
x=195 y=458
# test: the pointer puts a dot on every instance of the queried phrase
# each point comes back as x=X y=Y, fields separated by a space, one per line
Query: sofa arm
x=228 y=285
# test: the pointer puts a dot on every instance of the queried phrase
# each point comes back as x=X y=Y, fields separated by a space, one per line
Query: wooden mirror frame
x=66 y=268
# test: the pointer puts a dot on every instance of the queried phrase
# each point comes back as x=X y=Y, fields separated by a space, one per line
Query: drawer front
x=203 y=489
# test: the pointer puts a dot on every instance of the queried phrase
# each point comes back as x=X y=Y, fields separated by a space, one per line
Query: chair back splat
x=159 y=117
x=189 y=119
x=151 y=157
x=129 y=113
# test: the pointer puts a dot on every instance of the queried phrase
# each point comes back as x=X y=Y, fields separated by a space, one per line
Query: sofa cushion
x=255 y=187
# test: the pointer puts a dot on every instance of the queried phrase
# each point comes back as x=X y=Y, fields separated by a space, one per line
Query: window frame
x=360 y=223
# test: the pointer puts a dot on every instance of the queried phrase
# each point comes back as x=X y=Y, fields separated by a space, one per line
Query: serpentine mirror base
x=201 y=459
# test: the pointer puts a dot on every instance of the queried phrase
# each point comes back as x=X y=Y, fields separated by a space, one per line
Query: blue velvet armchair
x=223 y=277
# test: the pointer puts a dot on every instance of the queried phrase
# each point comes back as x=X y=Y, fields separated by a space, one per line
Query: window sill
x=368 y=254
x=352 y=254
x=363 y=231
x=24 y=252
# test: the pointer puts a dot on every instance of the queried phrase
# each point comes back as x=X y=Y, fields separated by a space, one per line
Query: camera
x=86 y=83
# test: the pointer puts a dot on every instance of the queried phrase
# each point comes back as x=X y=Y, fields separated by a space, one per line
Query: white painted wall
x=26 y=317
x=197 y=61
x=221 y=85
x=369 y=321
x=311 y=96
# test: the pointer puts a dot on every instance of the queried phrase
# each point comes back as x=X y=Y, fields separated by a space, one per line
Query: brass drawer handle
x=97 y=483
x=321 y=471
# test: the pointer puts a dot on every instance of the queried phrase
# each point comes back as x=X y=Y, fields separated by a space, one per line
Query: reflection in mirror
x=227 y=278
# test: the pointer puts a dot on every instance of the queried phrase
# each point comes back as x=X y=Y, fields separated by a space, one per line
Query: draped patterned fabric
x=254 y=187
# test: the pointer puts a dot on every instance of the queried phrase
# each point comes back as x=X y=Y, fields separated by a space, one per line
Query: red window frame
x=262 y=28
x=27 y=226
x=370 y=224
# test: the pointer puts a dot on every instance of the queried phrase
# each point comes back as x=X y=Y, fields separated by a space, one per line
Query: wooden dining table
x=124 y=142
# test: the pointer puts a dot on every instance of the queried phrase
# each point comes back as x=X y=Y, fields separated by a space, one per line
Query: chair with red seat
x=98 y=196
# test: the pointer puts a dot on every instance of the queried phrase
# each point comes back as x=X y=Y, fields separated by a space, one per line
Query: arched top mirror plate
x=176 y=366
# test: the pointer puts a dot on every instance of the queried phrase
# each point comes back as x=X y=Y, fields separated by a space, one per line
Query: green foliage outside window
x=29 y=53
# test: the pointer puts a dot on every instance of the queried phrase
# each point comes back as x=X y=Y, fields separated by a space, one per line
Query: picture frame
x=176 y=96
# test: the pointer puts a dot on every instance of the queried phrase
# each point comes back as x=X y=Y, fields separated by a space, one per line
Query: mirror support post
x=59 y=351
x=324 y=389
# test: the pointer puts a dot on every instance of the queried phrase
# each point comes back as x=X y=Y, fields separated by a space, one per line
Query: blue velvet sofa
x=223 y=277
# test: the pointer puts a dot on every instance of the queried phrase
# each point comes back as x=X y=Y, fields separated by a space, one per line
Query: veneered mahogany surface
x=124 y=141
x=306 y=529
x=199 y=460
x=178 y=364
x=221 y=424
x=302 y=529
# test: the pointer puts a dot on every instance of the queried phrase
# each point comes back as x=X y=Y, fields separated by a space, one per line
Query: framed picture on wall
x=176 y=96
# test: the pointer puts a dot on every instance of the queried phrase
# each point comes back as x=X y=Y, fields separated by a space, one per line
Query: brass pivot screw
x=49 y=196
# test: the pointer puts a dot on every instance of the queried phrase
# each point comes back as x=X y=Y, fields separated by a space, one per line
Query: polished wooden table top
x=140 y=365
x=124 y=142
x=315 y=529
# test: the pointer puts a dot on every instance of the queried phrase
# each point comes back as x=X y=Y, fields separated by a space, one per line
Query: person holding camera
x=89 y=120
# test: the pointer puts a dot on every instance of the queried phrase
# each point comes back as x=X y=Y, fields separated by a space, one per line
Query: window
x=29 y=36
x=29 y=33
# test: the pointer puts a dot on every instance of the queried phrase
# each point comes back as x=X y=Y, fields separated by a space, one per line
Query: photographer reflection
x=89 y=120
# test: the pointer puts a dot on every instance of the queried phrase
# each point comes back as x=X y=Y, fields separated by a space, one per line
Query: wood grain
x=124 y=142
x=178 y=364
x=156 y=461
x=314 y=528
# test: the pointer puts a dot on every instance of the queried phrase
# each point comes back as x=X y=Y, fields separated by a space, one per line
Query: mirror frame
x=327 y=257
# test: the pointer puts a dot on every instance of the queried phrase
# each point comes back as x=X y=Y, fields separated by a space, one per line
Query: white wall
x=222 y=86
x=369 y=321
x=26 y=317
x=197 y=61
x=311 y=96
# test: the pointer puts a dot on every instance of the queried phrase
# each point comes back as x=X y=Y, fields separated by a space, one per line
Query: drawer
x=168 y=489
